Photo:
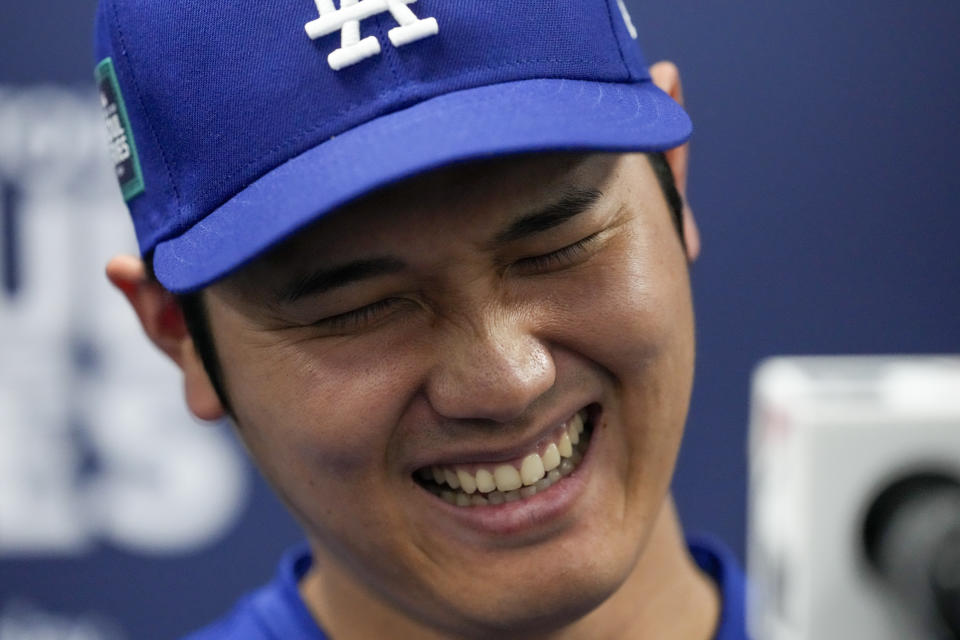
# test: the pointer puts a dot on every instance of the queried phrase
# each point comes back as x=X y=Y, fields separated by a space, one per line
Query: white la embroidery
x=626 y=18
x=347 y=19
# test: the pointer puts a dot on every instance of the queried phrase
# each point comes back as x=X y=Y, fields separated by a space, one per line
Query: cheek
x=314 y=414
x=632 y=316
x=628 y=311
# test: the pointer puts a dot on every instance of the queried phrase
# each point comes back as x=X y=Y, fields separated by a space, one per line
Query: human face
x=466 y=335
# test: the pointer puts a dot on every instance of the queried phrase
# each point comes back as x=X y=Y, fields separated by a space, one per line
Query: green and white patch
x=123 y=148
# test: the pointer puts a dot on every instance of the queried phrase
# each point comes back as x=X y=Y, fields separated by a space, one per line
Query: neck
x=664 y=596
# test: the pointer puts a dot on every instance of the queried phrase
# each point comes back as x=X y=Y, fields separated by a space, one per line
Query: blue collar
x=279 y=611
x=717 y=561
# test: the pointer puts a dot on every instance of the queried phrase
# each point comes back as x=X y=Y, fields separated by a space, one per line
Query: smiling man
x=432 y=261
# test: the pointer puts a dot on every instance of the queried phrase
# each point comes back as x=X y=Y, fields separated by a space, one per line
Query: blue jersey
x=276 y=611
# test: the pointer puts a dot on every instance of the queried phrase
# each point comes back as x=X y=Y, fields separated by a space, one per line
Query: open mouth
x=477 y=485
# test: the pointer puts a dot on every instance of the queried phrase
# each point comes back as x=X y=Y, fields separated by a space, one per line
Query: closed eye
x=359 y=318
x=568 y=255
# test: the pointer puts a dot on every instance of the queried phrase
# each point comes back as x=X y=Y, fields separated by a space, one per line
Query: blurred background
x=825 y=179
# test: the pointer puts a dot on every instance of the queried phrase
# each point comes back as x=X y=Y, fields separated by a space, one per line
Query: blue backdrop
x=825 y=181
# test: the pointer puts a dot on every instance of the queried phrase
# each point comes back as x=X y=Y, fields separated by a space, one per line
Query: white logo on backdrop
x=95 y=443
x=22 y=620
x=347 y=19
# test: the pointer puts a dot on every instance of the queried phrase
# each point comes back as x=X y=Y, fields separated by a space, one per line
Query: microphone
x=911 y=537
x=854 y=499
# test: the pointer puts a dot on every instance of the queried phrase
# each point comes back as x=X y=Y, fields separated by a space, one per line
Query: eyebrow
x=324 y=280
x=571 y=204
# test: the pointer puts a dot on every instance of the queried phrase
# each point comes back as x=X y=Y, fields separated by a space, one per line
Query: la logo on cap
x=347 y=19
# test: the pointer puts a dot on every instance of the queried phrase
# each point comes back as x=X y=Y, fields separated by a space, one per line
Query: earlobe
x=201 y=397
x=162 y=320
x=667 y=77
x=691 y=234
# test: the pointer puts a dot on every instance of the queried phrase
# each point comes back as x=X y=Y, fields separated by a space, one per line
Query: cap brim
x=483 y=122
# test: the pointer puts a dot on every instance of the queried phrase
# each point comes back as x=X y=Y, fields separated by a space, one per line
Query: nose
x=493 y=372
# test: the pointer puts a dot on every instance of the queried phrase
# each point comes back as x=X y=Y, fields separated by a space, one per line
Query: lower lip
x=527 y=514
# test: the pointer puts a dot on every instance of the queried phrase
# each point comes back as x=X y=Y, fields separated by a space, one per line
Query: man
x=432 y=263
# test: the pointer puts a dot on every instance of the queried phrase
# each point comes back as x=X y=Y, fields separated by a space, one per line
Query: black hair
x=668 y=184
x=198 y=322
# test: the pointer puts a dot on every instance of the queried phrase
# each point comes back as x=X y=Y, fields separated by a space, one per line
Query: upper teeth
x=510 y=477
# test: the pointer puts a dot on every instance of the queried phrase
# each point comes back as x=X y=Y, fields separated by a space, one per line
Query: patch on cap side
x=123 y=149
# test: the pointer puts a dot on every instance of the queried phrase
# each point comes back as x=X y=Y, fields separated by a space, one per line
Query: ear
x=162 y=320
x=667 y=77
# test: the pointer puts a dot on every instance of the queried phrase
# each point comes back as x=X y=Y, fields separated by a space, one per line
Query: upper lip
x=460 y=453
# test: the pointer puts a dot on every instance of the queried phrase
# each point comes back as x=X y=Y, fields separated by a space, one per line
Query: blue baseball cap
x=235 y=123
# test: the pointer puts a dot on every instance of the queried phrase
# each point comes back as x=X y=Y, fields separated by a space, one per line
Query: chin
x=538 y=600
